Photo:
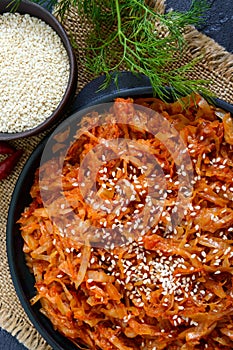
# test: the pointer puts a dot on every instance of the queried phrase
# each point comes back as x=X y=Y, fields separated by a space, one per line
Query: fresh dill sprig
x=128 y=35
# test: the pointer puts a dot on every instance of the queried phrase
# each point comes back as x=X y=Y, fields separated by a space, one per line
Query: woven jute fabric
x=216 y=65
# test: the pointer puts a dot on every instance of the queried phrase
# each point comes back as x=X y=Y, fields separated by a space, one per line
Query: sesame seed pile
x=34 y=69
x=133 y=273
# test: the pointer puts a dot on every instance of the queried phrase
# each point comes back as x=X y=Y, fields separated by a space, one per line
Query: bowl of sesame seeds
x=168 y=287
x=38 y=70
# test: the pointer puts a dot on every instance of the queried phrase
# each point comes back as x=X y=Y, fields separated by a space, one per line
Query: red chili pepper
x=7 y=165
x=5 y=148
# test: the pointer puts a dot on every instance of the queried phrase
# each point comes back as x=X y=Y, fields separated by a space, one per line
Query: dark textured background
x=218 y=22
x=218 y=25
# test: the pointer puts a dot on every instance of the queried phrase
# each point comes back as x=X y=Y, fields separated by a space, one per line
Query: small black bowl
x=35 y=10
x=129 y=86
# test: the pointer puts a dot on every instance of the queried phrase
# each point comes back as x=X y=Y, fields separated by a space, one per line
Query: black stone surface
x=218 y=22
x=219 y=26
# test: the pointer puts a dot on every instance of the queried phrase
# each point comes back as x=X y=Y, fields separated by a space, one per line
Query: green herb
x=125 y=35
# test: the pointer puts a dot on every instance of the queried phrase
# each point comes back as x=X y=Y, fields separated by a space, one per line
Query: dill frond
x=127 y=35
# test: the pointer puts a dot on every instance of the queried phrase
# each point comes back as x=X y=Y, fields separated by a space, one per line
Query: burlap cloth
x=216 y=64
